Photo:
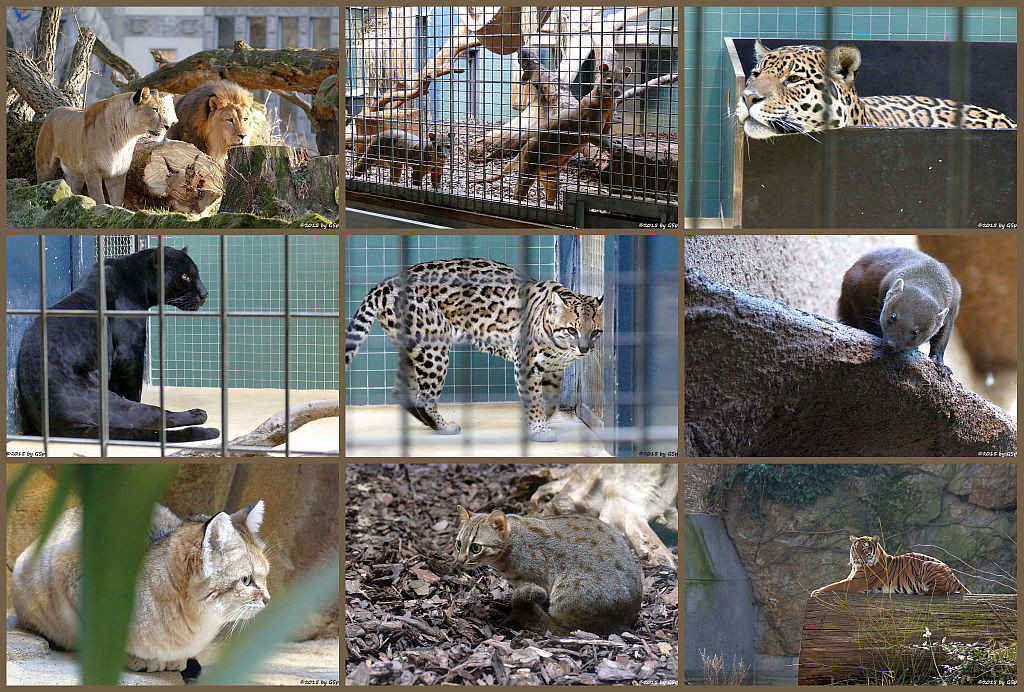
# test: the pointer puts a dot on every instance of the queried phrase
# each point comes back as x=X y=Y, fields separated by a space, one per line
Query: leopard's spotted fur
x=785 y=94
x=540 y=326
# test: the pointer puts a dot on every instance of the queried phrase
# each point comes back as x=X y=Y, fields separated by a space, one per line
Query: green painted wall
x=472 y=375
x=708 y=124
x=255 y=283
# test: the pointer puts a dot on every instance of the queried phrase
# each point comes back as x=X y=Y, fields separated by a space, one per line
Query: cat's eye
x=185 y=277
x=572 y=331
x=474 y=548
x=246 y=580
x=596 y=333
x=792 y=78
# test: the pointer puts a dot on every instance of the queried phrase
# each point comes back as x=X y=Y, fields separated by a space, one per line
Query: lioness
x=214 y=116
x=95 y=146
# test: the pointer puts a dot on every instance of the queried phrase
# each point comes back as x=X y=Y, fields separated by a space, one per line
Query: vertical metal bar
x=224 y=345
x=44 y=364
x=287 y=351
x=958 y=179
x=642 y=419
x=697 y=114
x=101 y=318
x=402 y=315
x=829 y=156
x=160 y=341
x=521 y=265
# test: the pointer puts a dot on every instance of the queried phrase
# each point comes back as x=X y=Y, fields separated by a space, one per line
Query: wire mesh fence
x=453 y=328
x=289 y=326
x=548 y=115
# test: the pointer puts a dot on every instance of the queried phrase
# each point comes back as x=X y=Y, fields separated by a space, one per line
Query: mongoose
x=570 y=572
x=398 y=148
x=561 y=136
x=903 y=296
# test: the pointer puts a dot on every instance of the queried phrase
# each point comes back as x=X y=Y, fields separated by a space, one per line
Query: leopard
x=540 y=326
x=785 y=94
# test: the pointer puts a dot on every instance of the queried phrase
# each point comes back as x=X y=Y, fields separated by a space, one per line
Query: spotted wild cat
x=541 y=326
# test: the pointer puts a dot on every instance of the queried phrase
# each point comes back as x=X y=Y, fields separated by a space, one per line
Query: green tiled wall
x=706 y=126
x=472 y=375
x=255 y=283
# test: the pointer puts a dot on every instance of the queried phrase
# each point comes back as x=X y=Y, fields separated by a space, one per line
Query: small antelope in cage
x=563 y=135
x=396 y=149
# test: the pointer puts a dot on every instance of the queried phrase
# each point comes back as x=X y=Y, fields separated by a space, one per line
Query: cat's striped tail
x=359 y=326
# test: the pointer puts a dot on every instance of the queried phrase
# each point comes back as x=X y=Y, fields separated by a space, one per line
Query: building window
x=288 y=32
x=258 y=32
x=320 y=32
x=225 y=32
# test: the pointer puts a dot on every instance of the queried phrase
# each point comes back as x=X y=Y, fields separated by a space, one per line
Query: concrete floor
x=247 y=408
x=488 y=430
x=30 y=661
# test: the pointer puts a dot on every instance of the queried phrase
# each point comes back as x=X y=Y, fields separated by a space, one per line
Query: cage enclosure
x=500 y=116
x=262 y=340
x=883 y=177
x=445 y=380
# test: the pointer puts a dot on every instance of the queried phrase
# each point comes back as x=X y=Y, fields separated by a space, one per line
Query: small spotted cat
x=569 y=572
x=541 y=326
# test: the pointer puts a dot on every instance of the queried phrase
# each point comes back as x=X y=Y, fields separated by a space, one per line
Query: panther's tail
x=359 y=326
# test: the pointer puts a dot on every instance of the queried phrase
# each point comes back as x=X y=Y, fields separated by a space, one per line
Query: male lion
x=95 y=146
x=214 y=116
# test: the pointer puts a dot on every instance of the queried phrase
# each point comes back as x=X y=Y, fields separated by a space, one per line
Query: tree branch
x=115 y=61
x=292 y=98
x=288 y=69
x=34 y=88
x=270 y=432
x=641 y=88
x=77 y=74
x=46 y=39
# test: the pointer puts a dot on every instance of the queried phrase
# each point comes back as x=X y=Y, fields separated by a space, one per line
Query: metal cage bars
x=102 y=313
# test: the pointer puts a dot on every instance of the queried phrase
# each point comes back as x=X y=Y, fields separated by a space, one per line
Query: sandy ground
x=247 y=408
x=31 y=662
x=488 y=430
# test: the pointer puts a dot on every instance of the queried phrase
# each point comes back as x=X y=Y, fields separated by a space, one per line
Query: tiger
x=875 y=571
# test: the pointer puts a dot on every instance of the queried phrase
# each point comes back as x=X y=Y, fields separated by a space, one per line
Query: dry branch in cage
x=271 y=432
x=172 y=175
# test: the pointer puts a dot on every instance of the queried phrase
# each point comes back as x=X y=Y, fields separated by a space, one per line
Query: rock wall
x=962 y=514
x=300 y=525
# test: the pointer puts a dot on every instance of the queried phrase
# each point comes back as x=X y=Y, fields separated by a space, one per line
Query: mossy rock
x=53 y=205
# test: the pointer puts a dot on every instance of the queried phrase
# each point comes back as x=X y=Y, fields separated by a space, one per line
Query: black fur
x=72 y=350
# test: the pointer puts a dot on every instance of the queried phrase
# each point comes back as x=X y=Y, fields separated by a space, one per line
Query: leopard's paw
x=542 y=432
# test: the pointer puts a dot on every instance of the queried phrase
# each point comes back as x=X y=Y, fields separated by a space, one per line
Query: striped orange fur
x=911 y=573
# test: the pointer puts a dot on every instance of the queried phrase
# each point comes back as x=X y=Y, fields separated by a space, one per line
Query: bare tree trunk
x=172 y=175
x=270 y=432
x=289 y=69
x=280 y=181
x=36 y=90
x=46 y=39
x=77 y=75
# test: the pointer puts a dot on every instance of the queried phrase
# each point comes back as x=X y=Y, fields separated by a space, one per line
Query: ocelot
x=541 y=326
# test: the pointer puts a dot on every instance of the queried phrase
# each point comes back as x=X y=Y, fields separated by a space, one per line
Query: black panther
x=73 y=349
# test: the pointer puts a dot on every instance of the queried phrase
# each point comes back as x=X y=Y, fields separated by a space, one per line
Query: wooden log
x=280 y=181
x=288 y=69
x=172 y=175
x=77 y=74
x=846 y=635
x=32 y=85
x=46 y=39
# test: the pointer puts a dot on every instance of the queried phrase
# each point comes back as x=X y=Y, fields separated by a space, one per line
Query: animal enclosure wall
x=444 y=103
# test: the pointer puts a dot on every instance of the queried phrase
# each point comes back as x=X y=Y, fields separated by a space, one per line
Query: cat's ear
x=251 y=517
x=853 y=539
x=600 y=301
x=876 y=539
x=463 y=515
x=556 y=300
x=185 y=249
x=221 y=539
x=498 y=521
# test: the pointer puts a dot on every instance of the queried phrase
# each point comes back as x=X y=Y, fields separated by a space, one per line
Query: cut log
x=289 y=69
x=636 y=163
x=172 y=175
x=280 y=181
x=847 y=635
